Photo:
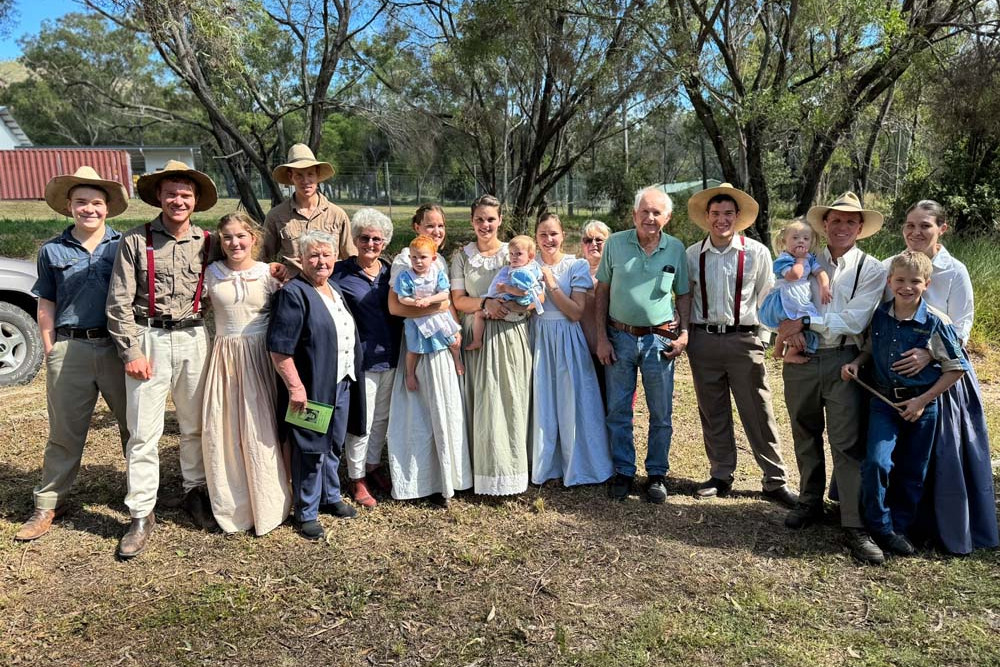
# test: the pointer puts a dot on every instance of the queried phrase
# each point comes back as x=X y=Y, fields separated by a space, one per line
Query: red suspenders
x=151 y=271
x=740 y=260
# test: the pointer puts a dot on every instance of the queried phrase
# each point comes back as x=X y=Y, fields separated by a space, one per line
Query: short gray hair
x=652 y=188
x=592 y=226
x=370 y=218
x=315 y=237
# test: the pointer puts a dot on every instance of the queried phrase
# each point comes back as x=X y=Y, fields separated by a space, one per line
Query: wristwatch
x=805 y=323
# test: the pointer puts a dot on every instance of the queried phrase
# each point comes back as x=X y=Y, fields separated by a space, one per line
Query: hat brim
x=208 y=196
x=871 y=221
x=282 y=174
x=57 y=193
x=698 y=205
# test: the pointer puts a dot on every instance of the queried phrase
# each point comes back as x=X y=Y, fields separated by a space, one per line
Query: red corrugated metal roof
x=25 y=171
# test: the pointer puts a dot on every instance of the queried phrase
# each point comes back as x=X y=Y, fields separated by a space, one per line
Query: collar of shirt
x=194 y=231
x=848 y=257
x=68 y=238
x=322 y=203
x=919 y=316
x=942 y=260
x=634 y=238
x=736 y=243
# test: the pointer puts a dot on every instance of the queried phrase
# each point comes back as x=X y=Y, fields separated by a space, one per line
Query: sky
x=30 y=14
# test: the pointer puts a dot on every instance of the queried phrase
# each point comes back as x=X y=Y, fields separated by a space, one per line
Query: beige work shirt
x=284 y=224
x=177 y=267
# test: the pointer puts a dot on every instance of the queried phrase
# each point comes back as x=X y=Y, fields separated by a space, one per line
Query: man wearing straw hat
x=306 y=210
x=74 y=270
x=155 y=319
x=730 y=276
x=815 y=390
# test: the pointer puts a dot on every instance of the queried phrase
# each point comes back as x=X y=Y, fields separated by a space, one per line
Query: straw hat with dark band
x=206 y=196
x=57 y=191
x=301 y=157
x=698 y=206
x=871 y=220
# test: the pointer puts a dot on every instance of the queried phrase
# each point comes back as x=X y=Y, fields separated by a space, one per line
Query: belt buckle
x=91 y=334
x=896 y=393
x=715 y=328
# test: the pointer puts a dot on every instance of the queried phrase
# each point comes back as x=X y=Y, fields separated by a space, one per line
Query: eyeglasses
x=595 y=240
x=374 y=240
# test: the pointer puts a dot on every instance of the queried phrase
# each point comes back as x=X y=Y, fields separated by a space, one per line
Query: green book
x=316 y=416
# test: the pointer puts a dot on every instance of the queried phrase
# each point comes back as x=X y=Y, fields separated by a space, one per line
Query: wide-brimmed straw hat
x=698 y=206
x=207 y=194
x=57 y=191
x=301 y=156
x=871 y=220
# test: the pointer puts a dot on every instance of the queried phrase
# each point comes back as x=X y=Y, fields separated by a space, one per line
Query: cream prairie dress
x=246 y=475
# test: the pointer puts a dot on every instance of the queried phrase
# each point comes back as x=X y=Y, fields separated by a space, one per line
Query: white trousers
x=368 y=448
x=179 y=359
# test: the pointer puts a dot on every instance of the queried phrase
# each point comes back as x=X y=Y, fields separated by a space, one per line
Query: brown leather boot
x=134 y=541
x=38 y=524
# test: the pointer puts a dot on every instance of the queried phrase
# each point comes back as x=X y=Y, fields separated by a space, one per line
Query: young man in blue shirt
x=74 y=270
x=901 y=436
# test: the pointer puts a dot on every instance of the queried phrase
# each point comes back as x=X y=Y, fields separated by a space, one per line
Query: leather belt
x=88 y=334
x=726 y=328
x=170 y=324
x=902 y=393
x=668 y=329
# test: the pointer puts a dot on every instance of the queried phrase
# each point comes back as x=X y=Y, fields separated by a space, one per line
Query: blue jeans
x=904 y=449
x=639 y=353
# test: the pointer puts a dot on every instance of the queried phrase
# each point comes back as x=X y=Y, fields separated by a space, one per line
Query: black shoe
x=863 y=547
x=199 y=508
x=894 y=543
x=620 y=486
x=438 y=500
x=312 y=530
x=803 y=515
x=656 y=490
x=713 y=488
x=782 y=495
x=340 y=509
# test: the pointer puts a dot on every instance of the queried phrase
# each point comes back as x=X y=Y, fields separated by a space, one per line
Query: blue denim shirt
x=75 y=279
x=928 y=328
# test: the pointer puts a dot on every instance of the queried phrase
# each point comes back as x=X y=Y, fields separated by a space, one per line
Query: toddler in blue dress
x=423 y=284
x=520 y=281
x=791 y=297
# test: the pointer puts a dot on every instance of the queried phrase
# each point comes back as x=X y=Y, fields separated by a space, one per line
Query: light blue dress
x=569 y=437
x=429 y=333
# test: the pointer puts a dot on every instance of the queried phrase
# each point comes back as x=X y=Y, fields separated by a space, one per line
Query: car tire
x=20 y=346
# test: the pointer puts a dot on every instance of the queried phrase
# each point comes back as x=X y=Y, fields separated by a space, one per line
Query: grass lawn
x=553 y=577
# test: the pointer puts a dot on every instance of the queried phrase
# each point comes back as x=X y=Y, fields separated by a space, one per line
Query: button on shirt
x=720 y=280
x=344 y=324
x=75 y=279
x=284 y=224
x=928 y=328
x=177 y=263
x=641 y=291
x=845 y=316
x=368 y=300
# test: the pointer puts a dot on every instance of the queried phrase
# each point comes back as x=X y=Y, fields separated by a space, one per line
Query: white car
x=20 y=342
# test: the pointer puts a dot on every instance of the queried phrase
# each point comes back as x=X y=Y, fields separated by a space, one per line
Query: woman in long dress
x=427 y=441
x=246 y=475
x=958 y=508
x=568 y=434
x=498 y=375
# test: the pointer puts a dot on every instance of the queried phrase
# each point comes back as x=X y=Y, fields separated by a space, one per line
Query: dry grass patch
x=554 y=577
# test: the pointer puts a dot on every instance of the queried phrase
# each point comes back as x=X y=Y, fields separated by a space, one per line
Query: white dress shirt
x=720 y=280
x=846 y=316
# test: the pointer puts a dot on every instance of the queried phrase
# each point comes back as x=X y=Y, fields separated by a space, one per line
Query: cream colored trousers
x=368 y=448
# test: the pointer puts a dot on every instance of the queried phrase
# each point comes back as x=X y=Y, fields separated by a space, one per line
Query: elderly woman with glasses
x=316 y=349
x=593 y=236
x=364 y=280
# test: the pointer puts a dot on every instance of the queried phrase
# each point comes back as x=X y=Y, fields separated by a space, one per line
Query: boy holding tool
x=903 y=408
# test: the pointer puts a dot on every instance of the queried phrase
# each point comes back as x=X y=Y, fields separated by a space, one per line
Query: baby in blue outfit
x=520 y=281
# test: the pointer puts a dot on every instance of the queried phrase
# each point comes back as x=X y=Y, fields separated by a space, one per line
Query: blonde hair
x=523 y=242
x=778 y=243
x=246 y=222
x=912 y=260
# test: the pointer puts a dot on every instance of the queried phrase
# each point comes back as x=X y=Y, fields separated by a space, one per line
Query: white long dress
x=427 y=441
x=569 y=438
x=244 y=469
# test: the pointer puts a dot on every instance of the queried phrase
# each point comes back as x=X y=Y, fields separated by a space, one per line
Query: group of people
x=515 y=363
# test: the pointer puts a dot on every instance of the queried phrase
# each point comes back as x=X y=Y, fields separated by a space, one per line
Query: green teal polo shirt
x=642 y=293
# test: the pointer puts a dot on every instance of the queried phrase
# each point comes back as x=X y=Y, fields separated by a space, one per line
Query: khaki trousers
x=734 y=363
x=359 y=450
x=76 y=371
x=179 y=359
x=813 y=391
